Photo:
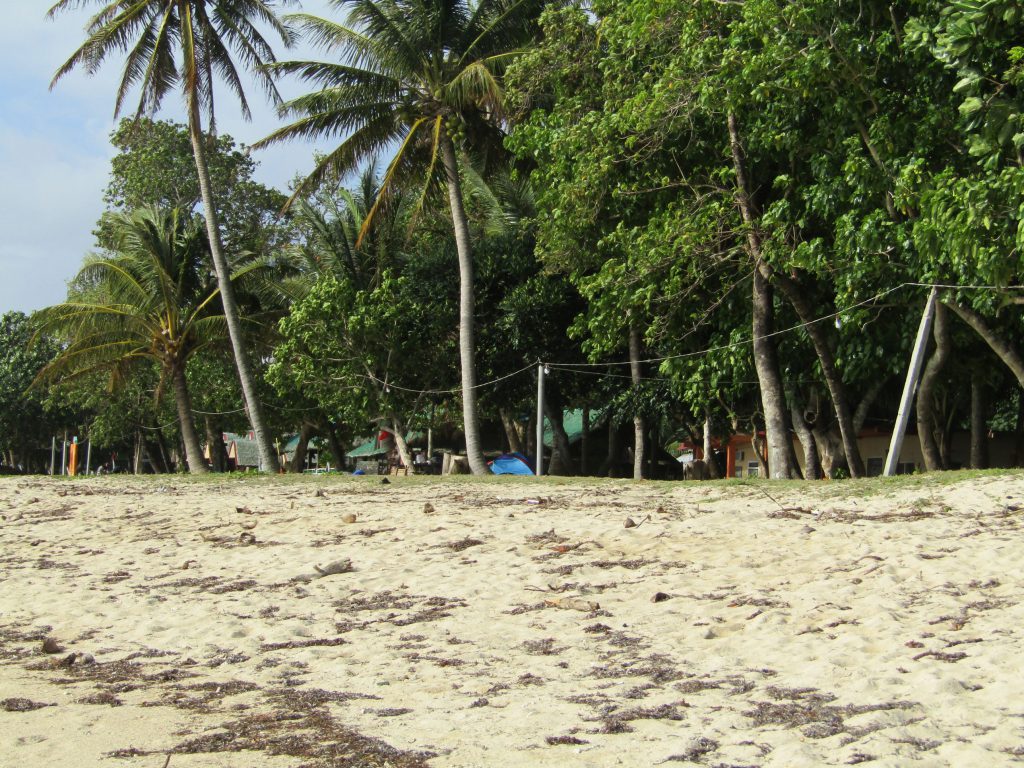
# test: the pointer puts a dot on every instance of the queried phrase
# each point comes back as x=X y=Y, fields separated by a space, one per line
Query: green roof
x=371 y=448
x=291 y=444
x=572 y=421
x=247 y=452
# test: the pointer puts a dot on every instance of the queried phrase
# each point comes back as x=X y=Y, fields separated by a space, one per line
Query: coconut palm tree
x=186 y=45
x=422 y=79
x=153 y=299
x=335 y=242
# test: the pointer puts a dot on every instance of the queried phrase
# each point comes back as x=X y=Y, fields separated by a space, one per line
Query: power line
x=454 y=390
x=574 y=367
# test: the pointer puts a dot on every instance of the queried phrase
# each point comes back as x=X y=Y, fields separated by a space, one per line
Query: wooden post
x=910 y=386
x=53 y=455
x=64 y=456
x=539 y=461
x=88 y=457
x=585 y=441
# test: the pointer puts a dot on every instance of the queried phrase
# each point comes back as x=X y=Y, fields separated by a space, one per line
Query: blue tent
x=511 y=464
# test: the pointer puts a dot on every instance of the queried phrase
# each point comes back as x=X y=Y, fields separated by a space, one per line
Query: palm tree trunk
x=515 y=443
x=639 y=426
x=926 y=426
x=561 y=455
x=215 y=442
x=979 y=426
x=773 y=397
x=299 y=459
x=337 y=450
x=227 y=295
x=193 y=450
x=585 y=441
x=1007 y=352
x=404 y=455
x=796 y=295
x=467 y=349
x=812 y=462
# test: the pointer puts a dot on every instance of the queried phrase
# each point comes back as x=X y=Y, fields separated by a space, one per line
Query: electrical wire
x=575 y=367
x=454 y=390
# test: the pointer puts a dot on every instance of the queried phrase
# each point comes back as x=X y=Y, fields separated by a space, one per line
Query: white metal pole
x=539 y=461
x=64 y=456
x=88 y=456
x=910 y=386
x=53 y=455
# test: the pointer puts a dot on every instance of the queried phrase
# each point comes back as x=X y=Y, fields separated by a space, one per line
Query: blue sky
x=55 y=153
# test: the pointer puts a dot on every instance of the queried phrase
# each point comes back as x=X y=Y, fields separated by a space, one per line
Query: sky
x=55 y=151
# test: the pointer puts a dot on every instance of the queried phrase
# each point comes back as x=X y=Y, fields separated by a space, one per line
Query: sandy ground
x=510 y=623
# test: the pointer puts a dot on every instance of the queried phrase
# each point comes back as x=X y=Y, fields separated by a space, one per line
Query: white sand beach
x=510 y=623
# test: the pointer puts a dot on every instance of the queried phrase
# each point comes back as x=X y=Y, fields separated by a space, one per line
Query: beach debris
x=949 y=658
x=461 y=544
x=319 y=493
x=695 y=750
x=52 y=645
x=338 y=566
x=244 y=511
x=83 y=659
x=249 y=525
x=349 y=517
x=22 y=705
x=246 y=539
x=631 y=523
x=660 y=597
x=558 y=740
x=573 y=603
x=428 y=508
x=385 y=481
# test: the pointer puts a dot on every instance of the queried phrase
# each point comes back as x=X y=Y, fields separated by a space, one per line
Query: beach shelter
x=511 y=464
x=244 y=452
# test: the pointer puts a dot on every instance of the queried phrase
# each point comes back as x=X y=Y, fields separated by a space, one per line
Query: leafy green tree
x=150 y=301
x=187 y=44
x=353 y=350
x=154 y=165
x=328 y=247
x=425 y=77
x=24 y=422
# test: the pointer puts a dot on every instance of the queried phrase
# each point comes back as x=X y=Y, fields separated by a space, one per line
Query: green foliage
x=411 y=77
x=152 y=299
x=24 y=423
x=344 y=347
x=154 y=165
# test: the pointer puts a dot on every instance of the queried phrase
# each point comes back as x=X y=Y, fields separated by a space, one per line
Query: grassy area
x=826 y=489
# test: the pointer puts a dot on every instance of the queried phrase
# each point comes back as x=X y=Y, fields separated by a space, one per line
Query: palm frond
x=387 y=183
